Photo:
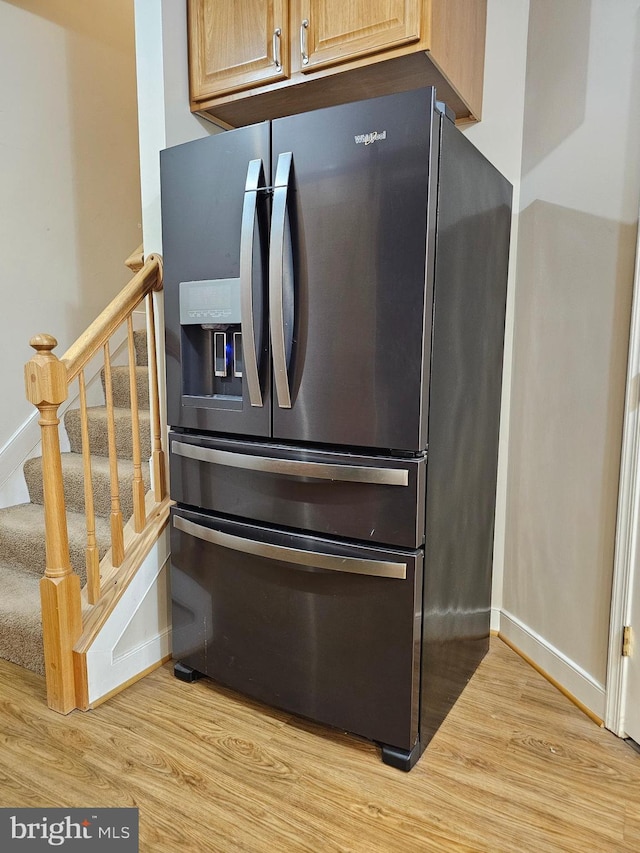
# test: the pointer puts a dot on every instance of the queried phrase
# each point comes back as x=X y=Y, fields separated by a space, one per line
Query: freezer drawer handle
x=255 y=177
x=351 y=565
x=280 y=266
x=293 y=467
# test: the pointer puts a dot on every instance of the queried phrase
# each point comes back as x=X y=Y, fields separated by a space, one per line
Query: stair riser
x=98 y=435
x=20 y=620
x=23 y=647
x=73 y=477
x=140 y=344
x=120 y=382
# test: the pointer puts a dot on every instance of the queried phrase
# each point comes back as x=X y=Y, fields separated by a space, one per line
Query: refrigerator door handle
x=293 y=467
x=280 y=265
x=312 y=559
x=255 y=178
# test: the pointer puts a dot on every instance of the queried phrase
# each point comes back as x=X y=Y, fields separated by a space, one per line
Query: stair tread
x=22 y=538
x=72 y=461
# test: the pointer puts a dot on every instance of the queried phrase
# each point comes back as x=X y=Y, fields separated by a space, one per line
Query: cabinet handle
x=277 y=61
x=303 y=41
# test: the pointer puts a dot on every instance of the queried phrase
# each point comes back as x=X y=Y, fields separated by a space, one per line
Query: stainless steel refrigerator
x=335 y=289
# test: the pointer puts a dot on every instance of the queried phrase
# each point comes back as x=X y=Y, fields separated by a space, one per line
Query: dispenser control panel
x=215 y=301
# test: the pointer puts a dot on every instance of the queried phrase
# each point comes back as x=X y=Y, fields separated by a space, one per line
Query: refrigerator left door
x=214 y=233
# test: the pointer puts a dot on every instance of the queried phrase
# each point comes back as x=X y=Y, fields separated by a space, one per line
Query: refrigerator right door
x=351 y=266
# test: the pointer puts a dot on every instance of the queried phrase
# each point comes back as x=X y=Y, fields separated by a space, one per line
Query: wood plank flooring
x=515 y=768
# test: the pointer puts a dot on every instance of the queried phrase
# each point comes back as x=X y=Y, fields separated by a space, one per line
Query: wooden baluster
x=91 y=551
x=117 y=530
x=46 y=387
x=158 y=463
x=139 y=515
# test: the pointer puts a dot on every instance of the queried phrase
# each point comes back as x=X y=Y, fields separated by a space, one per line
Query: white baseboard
x=495 y=619
x=23 y=444
x=567 y=673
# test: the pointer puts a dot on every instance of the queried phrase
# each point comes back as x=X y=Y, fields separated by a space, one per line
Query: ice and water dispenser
x=212 y=360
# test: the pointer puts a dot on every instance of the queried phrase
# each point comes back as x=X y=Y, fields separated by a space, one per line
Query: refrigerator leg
x=186 y=673
x=401 y=759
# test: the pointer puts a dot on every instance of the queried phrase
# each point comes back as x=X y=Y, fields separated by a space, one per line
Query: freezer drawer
x=319 y=628
x=373 y=499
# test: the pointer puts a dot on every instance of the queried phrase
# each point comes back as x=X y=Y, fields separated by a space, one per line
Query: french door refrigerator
x=334 y=302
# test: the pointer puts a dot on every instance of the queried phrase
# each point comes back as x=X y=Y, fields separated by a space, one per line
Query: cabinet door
x=236 y=44
x=333 y=31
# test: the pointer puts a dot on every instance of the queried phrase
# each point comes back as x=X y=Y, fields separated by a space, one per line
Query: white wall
x=578 y=221
x=163 y=96
x=499 y=137
x=69 y=177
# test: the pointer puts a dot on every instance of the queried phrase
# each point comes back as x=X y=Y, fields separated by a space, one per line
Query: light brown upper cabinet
x=256 y=59
x=237 y=43
x=334 y=30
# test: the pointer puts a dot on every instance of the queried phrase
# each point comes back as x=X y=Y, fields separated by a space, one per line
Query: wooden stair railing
x=47 y=381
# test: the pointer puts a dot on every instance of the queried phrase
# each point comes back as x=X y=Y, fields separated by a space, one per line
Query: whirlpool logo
x=70 y=829
x=369 y=138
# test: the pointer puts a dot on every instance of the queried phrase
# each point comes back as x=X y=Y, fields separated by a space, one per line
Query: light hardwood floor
x=514 y=768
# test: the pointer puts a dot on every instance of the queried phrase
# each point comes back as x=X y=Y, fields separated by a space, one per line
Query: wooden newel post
x=46 y=386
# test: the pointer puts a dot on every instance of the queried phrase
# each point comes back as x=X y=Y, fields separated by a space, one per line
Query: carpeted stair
x=22 y=542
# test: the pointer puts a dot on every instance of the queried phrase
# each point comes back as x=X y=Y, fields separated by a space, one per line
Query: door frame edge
x=627 y=538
